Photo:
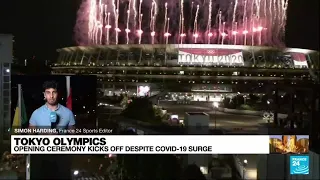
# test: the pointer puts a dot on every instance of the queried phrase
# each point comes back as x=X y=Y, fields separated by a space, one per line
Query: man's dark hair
x=50 y=84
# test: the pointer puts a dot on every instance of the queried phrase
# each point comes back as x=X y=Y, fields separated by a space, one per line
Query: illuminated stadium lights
x=167 y=34
x=224 y=34
x=139 y=32
x=254 y=29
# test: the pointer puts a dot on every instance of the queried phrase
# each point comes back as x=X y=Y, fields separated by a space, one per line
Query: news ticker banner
x=145 y=144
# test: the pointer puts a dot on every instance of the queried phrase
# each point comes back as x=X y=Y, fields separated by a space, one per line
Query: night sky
x=42 y=26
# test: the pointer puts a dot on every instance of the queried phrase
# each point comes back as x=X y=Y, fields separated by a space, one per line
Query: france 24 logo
x=299 y=165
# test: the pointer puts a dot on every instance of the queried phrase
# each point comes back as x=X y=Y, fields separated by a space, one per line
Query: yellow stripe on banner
x=16 y=120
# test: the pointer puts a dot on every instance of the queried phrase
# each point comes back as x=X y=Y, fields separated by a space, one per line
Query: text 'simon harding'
x=62 y=131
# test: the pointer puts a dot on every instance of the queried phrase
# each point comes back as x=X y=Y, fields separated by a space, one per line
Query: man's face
x=51 y=96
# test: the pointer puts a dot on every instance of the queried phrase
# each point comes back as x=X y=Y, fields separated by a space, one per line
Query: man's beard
x=52 y=103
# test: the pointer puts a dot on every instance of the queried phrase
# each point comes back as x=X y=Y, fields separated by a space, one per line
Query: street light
x=245 y=162
x=215 y=106
x=76 y=172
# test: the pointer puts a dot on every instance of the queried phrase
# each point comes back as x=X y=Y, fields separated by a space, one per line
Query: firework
x=238 y=22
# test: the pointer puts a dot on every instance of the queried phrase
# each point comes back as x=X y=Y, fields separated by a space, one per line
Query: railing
x=155 y=97
x=159 y=128
x=221 y=172
x=249 y=112
x=239 y=166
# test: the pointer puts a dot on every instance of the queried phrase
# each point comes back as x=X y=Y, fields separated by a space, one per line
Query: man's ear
x=44 y=96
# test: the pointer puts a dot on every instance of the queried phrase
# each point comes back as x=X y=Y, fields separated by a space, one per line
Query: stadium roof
x=174 y=47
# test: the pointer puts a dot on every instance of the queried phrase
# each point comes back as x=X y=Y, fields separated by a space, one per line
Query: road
x=229 y=122
x=232 y=123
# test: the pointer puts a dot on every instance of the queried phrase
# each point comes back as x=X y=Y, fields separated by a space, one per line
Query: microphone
x=53 y=119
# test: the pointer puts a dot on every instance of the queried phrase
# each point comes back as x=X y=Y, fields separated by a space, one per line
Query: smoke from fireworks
x=238 y=22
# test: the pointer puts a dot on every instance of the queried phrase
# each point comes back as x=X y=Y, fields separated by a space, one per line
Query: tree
x=127 y=166
x=140 y=109
x=124 y=102
x=192 y=172
x=226 y=102
x=158 y=112
x=253 y=98
x=239 y=100
x=12 y=166
x=144 y=166
x=169 y=167
x=264 y=99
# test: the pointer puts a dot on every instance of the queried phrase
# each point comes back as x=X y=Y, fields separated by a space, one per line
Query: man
x=41 y=116
x=51 y=166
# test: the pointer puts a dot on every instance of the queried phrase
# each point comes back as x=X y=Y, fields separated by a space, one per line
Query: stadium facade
x=200 y=72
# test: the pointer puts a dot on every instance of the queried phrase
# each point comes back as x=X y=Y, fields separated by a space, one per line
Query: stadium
x=195 y=51
x=197 y=72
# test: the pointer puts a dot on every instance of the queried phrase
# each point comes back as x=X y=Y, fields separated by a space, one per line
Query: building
x=197 y=123
x=6 y=42
x=277 y=166
x=203 y=72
